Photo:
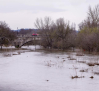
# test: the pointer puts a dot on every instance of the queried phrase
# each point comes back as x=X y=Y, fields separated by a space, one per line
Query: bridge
x=23 y=39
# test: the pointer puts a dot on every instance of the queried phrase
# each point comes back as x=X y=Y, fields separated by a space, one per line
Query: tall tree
x=45 y=25
x=6 y=34
x=89 y=30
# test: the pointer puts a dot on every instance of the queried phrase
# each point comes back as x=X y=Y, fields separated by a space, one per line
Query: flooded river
x=28 y=69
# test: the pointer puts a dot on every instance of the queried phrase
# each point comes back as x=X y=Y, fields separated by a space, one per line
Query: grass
x=7 y=55
x=81 y=61
x=96 y=63
x=86 y=70
x=79 y=54
x=91 y=77
x=72 y=59
x=77 y=77
x=91 y=64
x=97 y=73
x=68 y=57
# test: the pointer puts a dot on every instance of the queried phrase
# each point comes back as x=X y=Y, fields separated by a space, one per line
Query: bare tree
x=89 y=30
x=93 y=16
x=6 y=35
x=63 y=32
x=45 y=25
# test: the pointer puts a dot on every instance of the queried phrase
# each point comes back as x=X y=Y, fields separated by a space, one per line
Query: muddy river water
x=40 y=70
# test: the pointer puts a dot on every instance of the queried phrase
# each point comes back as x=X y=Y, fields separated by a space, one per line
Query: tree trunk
x=73 y=49
x=1 y=46
x=89 y=49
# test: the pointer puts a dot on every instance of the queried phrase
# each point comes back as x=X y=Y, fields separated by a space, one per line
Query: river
x=28 y=69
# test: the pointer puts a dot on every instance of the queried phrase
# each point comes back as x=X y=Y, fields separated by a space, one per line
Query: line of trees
x=26 y=31
x=58 y=34
x=61 y=35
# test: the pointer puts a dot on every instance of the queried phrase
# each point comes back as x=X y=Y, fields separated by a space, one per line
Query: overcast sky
x=23 y=13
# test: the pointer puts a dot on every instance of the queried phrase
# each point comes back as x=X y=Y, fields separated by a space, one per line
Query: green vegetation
x=88 y=37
